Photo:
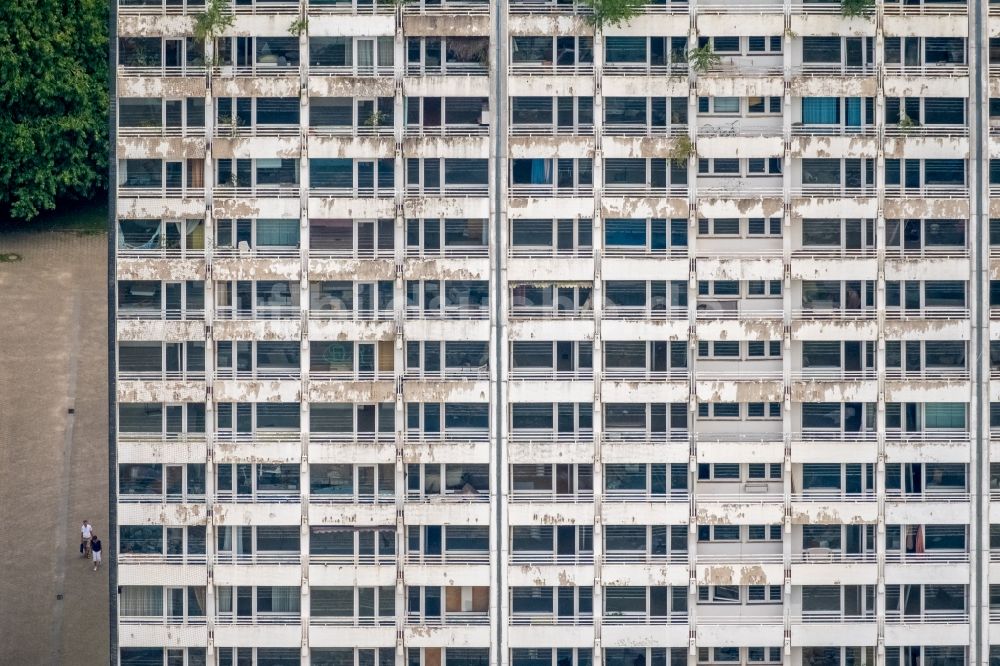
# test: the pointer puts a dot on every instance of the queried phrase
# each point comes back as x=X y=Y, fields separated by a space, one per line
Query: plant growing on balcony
x=861 y=8
x=612 y=12
x=210 y=23
x=298 y=26
x=682 y=150
x=906 y=123
x=375 y=118
x=703 y=58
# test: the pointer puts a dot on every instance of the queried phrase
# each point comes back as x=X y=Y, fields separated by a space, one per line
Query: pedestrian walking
x=86 y=532
x=95 y=549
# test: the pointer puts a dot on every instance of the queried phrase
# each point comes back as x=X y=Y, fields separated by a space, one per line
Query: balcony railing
x=631 y=129
x=550 y=620
x=934 y=557
x=643 y=436
x=448 y=312
x=350 y=437
x=286 y=191
x=160 y=498
x=642 y=557
x=548 y=557
x=835 y=617
x=941 y=69
x=447 y=69
x=616 y=495
x=932 y=191
x=353 y=315
x=834 y=314
x=160 y=558
x=644 y=190
x=353 y=375
x=897 y=313
x=351 y=7
x=545 y=435
x=636 y=251
x=547 y=191
x=619 y=618
x=927 y=9
x=355 y=559
x=528 y=68
x=550 y=251
x=353 y=497
x=271 y=436
x=228 y=312
x=451 y=129
x=286 y=252
x=448 y=190
x=928 y=617
x=161 y=436
x=161 y=131
x=550 y=129
x=162 y=70
x=803 y=129
x=833 y=68
x=352 y=621
x=740 y=128
x=449 y=618
x=555 y=311
x=926 y=130
x=449 y=557
x=159 y=192
x=733 y=310
x=644 y=374
x=357 y=70
x=162 y=375
x=821 y=555
x=262 y=69
x=550 y=496
x=259 y=497
x=258 y=373
x=644 y=69
x=834 y=191
x=460 y=496
x=264 y=8
x=290 y=558
x=833 y=495
x=351 y=253
x=352 y=130
x=449 y=435
x=743 y=375
x=163 y=620
x=834 y=435
x=834 y=374
x=645 y=312
x=446 y=7
x=258 y=619
x=447 y=252
x=927 y=373
x=228 y=131
x=927 y=495
x=457 y=373
x=161 y=7
x=353 y=192
x=753 y=9
x=751 y=619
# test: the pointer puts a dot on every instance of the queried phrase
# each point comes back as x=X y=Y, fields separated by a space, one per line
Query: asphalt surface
x=53 y=447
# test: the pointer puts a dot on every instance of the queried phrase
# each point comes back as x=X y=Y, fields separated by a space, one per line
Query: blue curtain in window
x=853 y=111
x=541 y=172
x=819 y=110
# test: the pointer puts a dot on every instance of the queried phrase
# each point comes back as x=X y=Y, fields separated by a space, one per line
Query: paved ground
x=53 y=464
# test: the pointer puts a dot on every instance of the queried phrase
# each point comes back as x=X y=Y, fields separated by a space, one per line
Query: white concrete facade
x=474 y=334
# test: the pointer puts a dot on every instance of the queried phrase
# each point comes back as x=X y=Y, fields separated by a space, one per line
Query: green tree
x=53 y=103
x=612 y=12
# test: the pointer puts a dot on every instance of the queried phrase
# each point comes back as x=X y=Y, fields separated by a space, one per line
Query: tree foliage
x=53 y=102
x=612 y=12
x=859 y=8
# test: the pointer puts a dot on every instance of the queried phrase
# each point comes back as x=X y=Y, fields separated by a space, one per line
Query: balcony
x=276 y=191
x=637 y=618
x=447 y=313
x=260 y=69
x=550 y=620
x=415 y=435
x=353 y=314
x=449 y=619
x=160 y=7
x=449 y=557
x=162 y=71
x=733 y=310
x=550 y=496
x=461 y=7
x=258 y=619
x=229 y=312
x=350 y=7
x=542 y=558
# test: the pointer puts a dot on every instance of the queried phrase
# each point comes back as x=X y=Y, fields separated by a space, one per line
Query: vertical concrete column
x=880 y=541
x=399 y=342
x=499 y=466
x=692 y=657
x=597 y=240
x=304 y=428
x=786 y=343
x=210 y=416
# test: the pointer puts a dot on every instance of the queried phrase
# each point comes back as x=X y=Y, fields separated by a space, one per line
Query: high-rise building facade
x=470 y=333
